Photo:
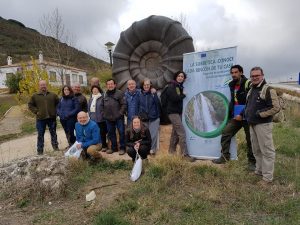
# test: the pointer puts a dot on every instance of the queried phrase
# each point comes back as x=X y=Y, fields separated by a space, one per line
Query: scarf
x=94 y=101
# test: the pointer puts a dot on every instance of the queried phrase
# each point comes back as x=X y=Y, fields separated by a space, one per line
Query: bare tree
x=59 y=42
x=182 y=18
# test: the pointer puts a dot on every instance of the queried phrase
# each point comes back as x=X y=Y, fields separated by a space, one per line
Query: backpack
x=279 y=116
x=164 y=118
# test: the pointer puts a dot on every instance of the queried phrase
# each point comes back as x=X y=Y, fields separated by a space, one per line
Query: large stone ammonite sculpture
x=151 y=48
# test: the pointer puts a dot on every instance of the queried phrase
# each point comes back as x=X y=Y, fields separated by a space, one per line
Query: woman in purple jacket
x=67 y=110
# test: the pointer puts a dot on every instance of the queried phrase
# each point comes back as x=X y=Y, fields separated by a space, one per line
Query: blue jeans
x=111 y=128
x=69 y=127
x=41 y=127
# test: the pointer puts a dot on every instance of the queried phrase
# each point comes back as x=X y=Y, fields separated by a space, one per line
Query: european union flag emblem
x=203 y=55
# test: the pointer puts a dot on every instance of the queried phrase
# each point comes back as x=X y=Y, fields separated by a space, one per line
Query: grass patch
x=3 y=108
x=28 y=127
x=109 y=218
x=173 y=191
x=50 y=217
x=6 y=102
x=286 y=140
x=80 y=172
x=22 y=203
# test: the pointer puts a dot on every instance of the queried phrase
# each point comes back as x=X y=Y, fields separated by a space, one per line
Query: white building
x=71 y=75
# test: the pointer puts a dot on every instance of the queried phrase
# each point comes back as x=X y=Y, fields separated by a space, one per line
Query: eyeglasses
x=146 y=85
x=255 y=76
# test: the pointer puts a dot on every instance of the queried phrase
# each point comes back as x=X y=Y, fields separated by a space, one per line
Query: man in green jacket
x=43 y=104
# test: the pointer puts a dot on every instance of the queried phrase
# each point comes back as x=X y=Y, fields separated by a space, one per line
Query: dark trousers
x=143 y=152
x=111 y=128
x=232 y=127
x=69 y=127
x=41 y=128
x=103 y=133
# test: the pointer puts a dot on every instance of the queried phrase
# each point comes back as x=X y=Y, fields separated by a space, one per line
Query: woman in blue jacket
x=67 y=110
x=149 y=112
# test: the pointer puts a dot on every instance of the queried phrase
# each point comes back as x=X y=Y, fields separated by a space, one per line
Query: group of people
x=105 y=112
x=98 y=118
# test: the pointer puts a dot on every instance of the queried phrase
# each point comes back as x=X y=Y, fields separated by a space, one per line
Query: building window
x=52 y=76
x=74 y=78
x=67 y=79
x=80 y=79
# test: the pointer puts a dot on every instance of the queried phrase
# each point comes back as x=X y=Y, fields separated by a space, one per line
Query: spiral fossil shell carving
x=151 y=48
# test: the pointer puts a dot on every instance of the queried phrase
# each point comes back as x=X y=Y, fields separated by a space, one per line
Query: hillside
x=21 y=43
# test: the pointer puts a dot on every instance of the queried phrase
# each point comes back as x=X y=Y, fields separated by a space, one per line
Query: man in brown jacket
x=259 y=114
x=43 y=105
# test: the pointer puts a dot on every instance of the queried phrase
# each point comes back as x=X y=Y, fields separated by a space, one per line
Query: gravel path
x=12 y=121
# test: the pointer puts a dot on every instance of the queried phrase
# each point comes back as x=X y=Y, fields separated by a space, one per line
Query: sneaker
x=121 y=152
x=220 y=160
x=189 y=158
x=56 y=148
x=104 y=149
x=109 y=151
x=152 y=152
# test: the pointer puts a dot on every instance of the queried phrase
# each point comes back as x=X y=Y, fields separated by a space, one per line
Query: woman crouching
x=138 y=139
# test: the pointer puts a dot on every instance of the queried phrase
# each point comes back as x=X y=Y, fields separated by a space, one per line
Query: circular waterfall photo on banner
x=206 y=114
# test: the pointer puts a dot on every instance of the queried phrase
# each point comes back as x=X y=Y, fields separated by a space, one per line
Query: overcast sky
x=266 y=32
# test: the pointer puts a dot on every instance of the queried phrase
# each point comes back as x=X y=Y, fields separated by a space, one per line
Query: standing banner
x=205 y=107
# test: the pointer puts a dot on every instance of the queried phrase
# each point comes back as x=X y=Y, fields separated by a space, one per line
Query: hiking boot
x=121 y=152
x=104 y=149
x=40 y=152
x=251 y=167
x=220 y=160
x=189 y=158
x=264 y=183
x=258 y=173
x=109 y=151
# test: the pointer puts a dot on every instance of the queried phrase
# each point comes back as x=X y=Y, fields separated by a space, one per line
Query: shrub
x=12 y=82
x=31 y=75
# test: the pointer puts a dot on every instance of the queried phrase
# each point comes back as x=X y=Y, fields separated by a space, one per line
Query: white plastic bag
x=73 y=151
x=137 y=168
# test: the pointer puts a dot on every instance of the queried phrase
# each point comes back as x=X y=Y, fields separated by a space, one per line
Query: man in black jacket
x=239 y=87
x=259 y=113
x=114 y=107
x=80 y=97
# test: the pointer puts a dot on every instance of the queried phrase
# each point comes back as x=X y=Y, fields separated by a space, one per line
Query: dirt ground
x=74 y=210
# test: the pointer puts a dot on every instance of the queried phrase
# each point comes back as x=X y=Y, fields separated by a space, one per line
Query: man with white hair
x=132 y=96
